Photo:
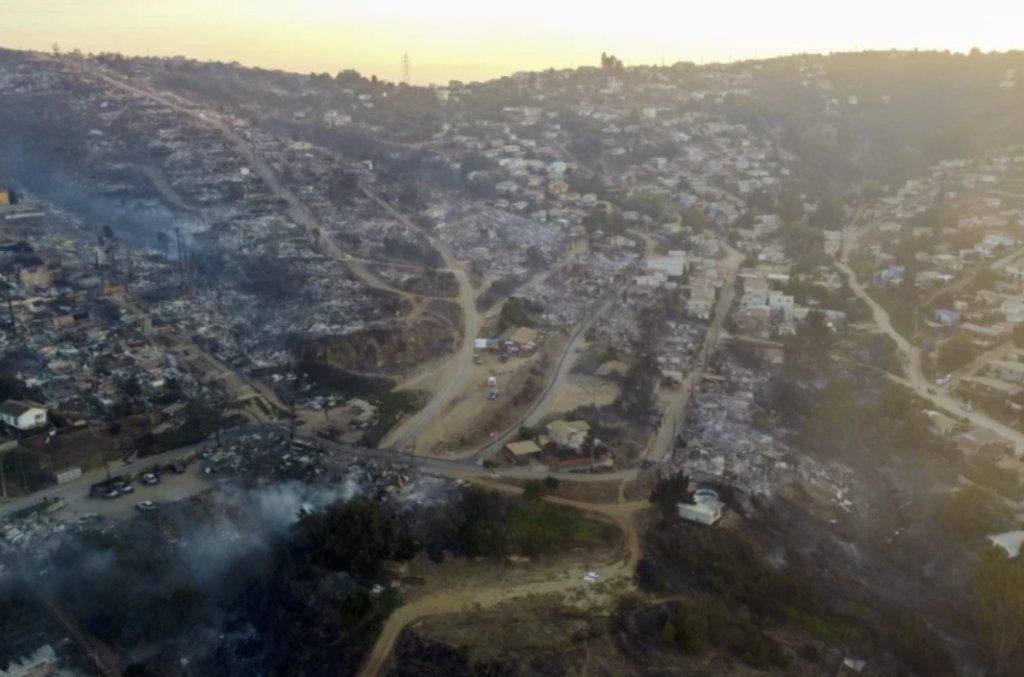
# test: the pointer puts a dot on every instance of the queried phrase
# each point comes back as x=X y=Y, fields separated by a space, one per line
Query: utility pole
x=10 y=308
x=406 y=69
x=181 y=259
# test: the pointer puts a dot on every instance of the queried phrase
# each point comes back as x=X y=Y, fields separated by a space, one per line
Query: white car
x=966 y=406
x=146 y=506
x=944 y=380
x=593 y=574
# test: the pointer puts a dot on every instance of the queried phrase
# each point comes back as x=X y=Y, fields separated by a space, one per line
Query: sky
x=475 y=40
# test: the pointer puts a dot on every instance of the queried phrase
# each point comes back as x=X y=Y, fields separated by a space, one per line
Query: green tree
x=668 y=633
x=1018 y=336
x=828 y=215
x=533 y=492
x=671 y=491
x=956 y=352
x=790 y=204
x=970 y=513
x=355 y=536
x=999 y=608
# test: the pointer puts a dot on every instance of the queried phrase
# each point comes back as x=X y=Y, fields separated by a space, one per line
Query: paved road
x=79 y=490
x=543 y=405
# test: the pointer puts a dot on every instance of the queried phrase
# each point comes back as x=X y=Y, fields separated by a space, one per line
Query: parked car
x=110 y=493
x=178 y=468
x=146 y=506
x=124 y=487
x=150 y=479
x=944 y=380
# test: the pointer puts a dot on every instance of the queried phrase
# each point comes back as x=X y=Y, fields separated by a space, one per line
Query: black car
x=178 y=468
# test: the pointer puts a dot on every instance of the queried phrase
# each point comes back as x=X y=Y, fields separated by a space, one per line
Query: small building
x=705 y=509
x=568 y=434
x=947 y=318
x=22 y=415
x=942 y=424
x=520 y=453
x=517 y=341
x=68 y=475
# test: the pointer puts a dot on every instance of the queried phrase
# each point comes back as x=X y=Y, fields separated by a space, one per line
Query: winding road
x=566 y=582
x=916 y=379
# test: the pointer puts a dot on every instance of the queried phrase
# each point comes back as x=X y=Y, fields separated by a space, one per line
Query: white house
x=706 y=509
x=571 y=434
x=337 y=119
x=22 y=415
x=670 y=265
x=777 y=299
x=771 y=255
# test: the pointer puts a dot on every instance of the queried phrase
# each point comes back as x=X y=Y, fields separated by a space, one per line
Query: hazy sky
x=474 y=39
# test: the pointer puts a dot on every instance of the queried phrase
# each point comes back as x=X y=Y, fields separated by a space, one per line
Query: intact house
x=568 y=434
x=516 y=341
x=941 y=424
x=704 y=510
x=947 y=318
x=22 y=415
x=520 y=453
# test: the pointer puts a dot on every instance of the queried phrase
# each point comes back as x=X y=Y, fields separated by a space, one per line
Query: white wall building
x=22 y=415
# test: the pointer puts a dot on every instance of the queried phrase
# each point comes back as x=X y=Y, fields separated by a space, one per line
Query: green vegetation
x=488 y=524
x=892 y=425
x=987 y=473
x=916 y=646
x=999 y=610
x=902 y=310
x=669 y=492
x=808 y=350
x=696 y=627
x=972 y=513
x=956 y=352
x=355 y=537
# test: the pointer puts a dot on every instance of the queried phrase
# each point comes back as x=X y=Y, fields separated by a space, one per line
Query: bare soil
x=578 y=391
x=469 y=417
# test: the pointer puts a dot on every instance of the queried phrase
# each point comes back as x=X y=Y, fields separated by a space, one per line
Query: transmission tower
x=406 y=69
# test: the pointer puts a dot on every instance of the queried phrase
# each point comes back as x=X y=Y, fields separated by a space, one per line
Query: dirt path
x=569 y=582
x=916 y=380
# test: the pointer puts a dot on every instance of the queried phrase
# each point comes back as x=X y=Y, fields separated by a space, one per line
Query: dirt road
x=567 y=582
x=916 y=380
